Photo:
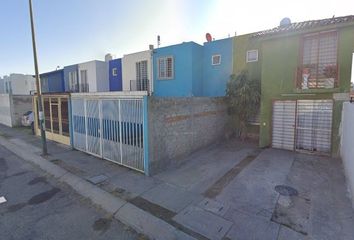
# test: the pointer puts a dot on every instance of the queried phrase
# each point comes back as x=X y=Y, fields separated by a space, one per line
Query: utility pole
x=39 y=92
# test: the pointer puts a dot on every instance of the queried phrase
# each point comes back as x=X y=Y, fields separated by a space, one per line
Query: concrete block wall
x=20 y=105
x=5 y=110
x=347 y=146
x=179 y=126
x=12 y=107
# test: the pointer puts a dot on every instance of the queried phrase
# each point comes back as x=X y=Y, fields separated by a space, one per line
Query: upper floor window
x=216 y=59
x=44 y=84
x=73 y=83
x=165 y=68
x=84 y=86
x=319 y=67
x=115 y=72
x=252 y=56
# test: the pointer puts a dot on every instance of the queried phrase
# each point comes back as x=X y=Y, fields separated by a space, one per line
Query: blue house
x=178 y=70
x=189 y=69
x=217 y=66
x=115 y=75
x=71 y=78
x=52 y=81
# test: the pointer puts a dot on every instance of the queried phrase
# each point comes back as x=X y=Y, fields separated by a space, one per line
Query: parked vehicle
x=27 y=119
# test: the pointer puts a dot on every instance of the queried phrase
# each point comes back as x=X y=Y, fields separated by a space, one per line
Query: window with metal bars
x=142 y=82
x=165 y=68
x=319 y=67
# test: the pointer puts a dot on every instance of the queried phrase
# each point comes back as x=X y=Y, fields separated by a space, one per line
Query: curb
x=123 y=211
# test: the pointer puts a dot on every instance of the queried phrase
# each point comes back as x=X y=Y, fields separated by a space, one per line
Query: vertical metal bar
x=146 y=136
x=120 y=130
x=133 y=133
x=51 y=114
x=59 y=117
x=100 y=125
x=85 y=119
x=295 y=127
x=71 y=122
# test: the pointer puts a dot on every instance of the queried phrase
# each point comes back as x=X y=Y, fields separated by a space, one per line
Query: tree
x=243 y=97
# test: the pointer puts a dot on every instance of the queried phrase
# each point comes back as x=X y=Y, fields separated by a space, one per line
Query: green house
x=305 y=71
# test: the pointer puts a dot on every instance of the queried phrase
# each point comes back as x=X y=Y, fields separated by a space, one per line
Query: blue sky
x=73 y=31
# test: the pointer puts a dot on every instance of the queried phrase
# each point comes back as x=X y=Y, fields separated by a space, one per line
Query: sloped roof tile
x=299 y=26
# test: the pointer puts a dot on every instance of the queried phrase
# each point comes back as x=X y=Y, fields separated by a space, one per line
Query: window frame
x=73 y=81
x=114 y=72
x=249 y=51
x=212 y=59
x=301 y=64
x=165 y=58
x=84 y=84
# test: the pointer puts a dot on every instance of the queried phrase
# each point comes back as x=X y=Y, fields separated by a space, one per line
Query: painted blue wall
x=54 y=81
x=67 y=70
x=215 y=77
x=187 y=70
x=115 y=82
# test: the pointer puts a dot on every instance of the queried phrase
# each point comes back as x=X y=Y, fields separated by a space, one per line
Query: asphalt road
x=37 y=207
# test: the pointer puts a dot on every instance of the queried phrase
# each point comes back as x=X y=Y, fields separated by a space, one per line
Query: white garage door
x=302 y=125
x=283 y=134
x=314 y=125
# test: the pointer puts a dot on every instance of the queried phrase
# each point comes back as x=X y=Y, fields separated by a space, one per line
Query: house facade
x=93 y=76
x=115 y=75
x=89 y=76
x=178 y=70
x=71 y=78
x=19 y=84
x=189 y=69
x=217 y=66
x=305 y=71
x=52 y=81
x=137 y=71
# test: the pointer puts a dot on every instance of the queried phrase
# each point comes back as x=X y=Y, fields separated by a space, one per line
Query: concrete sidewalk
x=223 y=192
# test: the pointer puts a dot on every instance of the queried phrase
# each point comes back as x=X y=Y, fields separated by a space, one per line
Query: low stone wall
x=347 y=149
x=5 y=110
x=180 y=126
x=12 y=107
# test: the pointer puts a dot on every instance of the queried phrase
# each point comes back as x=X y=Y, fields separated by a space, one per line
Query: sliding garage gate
x=302 y=125
x=111 y=128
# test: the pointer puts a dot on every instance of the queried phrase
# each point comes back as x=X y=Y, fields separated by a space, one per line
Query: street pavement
x=40 y=208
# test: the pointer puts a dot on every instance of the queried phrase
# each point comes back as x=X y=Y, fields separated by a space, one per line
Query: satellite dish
x=285 y=22
x=208 y=37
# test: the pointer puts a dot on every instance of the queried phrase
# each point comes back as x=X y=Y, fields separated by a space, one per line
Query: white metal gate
x=111 y=128
x=284 y=124
x=302 y=125
x=314 y=125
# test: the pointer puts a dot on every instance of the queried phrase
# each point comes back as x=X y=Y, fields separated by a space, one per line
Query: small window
x=165 y=68
x=216 y=60
x=115 y=72
x=252 y=56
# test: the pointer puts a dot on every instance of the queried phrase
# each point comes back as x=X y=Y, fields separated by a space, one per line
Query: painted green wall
x=242 y=44
x=278 y=61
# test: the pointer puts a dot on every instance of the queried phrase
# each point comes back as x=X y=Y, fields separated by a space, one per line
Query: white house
x=93 y=76
x=137 y=71
x=19 y=84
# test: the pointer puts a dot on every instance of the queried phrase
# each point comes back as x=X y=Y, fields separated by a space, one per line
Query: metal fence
x=56 y=112
x=110 y=127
